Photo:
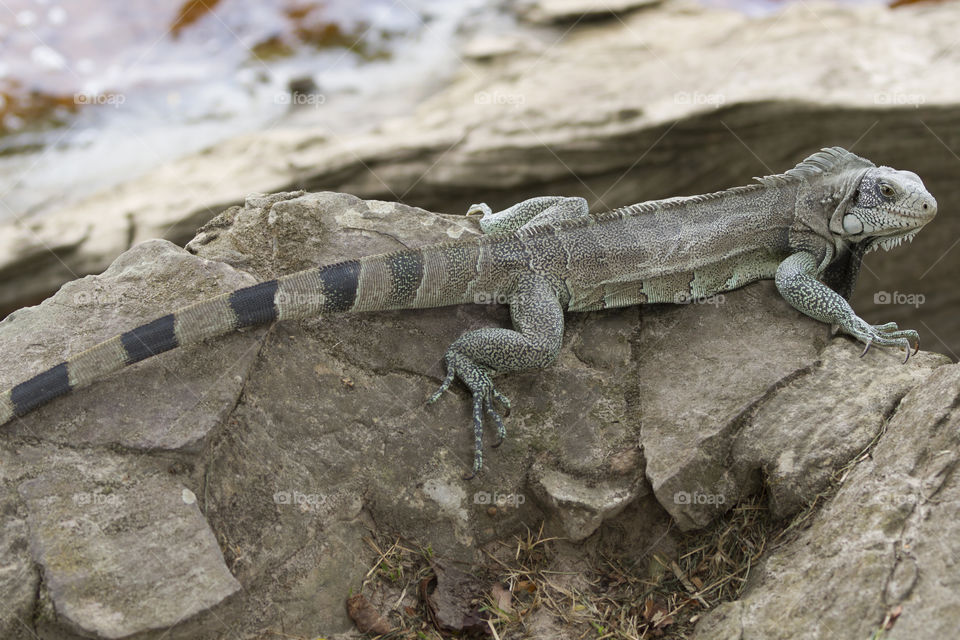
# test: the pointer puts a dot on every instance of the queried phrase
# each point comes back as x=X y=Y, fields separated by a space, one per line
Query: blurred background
x=95 y=92
x=122 y=120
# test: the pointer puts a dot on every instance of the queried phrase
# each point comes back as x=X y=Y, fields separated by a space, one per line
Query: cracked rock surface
x=890 y=537
x=233 y=482
x=100 y=525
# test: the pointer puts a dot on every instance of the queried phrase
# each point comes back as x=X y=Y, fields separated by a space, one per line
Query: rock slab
x=319 y=436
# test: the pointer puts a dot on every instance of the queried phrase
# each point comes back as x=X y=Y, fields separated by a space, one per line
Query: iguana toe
x=481 y=208
x=502 y=399
x=497 y=420
x=478 y=380
x=889 y=335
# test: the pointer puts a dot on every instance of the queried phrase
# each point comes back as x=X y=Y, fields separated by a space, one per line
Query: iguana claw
x=885 y=335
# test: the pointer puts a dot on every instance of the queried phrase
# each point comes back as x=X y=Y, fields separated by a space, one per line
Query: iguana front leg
x=796 y=280
x=542 y=210
x=477 y=356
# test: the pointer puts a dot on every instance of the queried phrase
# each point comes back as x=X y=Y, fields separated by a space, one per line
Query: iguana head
x=886 y=208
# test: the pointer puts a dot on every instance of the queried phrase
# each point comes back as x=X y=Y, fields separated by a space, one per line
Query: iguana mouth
x=889 y=242
x=909 y=221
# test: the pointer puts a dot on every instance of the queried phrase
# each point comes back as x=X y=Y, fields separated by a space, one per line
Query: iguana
x=807 y=228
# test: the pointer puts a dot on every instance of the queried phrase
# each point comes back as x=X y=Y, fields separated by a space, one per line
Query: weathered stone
x=341 y=400
x=172 y=401
x=807 y=429
x=889 y=538
x=124 y=550
x=18 y=576
x=702 y=367
x=324 y=435
x=577 y=506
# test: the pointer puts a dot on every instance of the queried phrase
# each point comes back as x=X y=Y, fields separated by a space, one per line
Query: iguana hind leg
x=542 y=210
x=477 y=356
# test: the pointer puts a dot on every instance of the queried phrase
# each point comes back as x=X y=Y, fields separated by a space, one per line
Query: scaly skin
x=806 y=228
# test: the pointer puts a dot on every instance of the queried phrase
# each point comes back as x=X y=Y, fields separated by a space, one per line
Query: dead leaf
x=661 y=619
x=526 y=585
x=190 y=12
x=648 y=608
x=655 y=614
x=902 y=3
x=502 y=598
x=366 y=616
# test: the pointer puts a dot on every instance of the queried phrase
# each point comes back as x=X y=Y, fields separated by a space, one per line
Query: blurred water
x=94 y=92
x=766 y=7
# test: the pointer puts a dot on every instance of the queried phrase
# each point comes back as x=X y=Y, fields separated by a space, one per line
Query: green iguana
x=807 y=228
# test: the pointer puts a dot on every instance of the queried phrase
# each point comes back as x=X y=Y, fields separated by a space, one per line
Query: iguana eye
x=886 y=191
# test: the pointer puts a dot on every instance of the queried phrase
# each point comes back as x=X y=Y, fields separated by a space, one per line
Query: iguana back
x=804 y=228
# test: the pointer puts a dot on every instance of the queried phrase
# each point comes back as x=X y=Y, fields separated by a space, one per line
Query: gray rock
x=702 y=368
x=19 y=577
x=578 y=506
x=170 y=403
x=890 y=537
x=828 y=414
x=319 y=434
x=777 y=409
x=124 y=549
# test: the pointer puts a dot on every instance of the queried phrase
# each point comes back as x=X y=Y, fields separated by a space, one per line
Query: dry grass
x=662 y=599
x=614 y=598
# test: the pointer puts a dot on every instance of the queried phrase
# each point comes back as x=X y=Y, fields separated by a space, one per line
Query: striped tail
x=433 y=276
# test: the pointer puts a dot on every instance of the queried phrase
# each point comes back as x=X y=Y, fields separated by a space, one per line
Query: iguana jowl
x=807 y=228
